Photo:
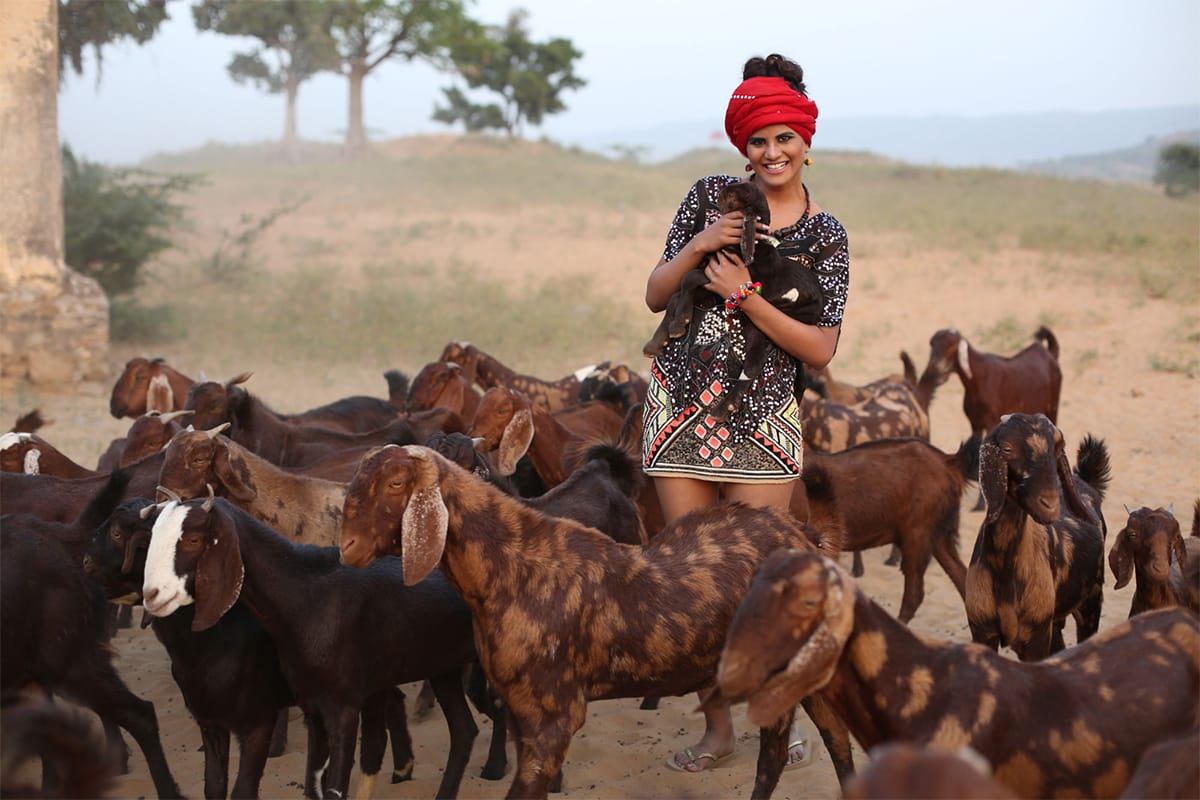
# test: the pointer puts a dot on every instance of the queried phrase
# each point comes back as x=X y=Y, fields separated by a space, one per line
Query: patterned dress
x=761 y=442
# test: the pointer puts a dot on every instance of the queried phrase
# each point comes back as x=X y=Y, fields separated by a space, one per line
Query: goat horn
x=147 y=511
x=171 y=416
x=171 y=496
x=1171 y=508
x=212 y=434
x=476 y=441
x=1128 y=510
x=208 y=504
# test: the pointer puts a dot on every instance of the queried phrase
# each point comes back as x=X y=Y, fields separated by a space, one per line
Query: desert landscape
x=539 y=256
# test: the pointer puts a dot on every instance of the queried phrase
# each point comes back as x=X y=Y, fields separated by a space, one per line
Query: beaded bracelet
x=745 y=290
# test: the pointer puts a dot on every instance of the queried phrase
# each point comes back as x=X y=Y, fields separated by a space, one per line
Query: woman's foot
x=800 y=754
x=693 y=759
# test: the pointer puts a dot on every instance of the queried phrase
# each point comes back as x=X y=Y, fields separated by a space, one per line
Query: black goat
x=369 y=633
x=53 y=633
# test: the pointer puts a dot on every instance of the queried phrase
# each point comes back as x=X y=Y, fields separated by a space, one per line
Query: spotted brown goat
x=486 y=372
x=544 y=592
x=1074 y=725
x=1037 y=560
x=1146 y=547
x=892 y=411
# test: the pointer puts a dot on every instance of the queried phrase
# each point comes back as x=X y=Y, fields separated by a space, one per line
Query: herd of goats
x=532 y=562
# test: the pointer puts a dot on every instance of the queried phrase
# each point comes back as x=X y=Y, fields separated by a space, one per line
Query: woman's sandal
x=694 y=758
x=807 y=754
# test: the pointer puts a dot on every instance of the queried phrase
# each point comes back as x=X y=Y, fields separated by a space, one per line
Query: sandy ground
x=1149 y=418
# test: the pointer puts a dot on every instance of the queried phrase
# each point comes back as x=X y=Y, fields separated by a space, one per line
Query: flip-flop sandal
x=808 y=757
x=693 y=757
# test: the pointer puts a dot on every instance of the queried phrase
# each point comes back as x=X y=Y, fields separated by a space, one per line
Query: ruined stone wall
x=53 y=321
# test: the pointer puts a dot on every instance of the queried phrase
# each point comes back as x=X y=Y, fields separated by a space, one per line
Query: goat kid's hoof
x=403 y=774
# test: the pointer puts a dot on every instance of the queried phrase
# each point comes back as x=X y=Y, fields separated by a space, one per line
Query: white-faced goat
x=1074 y=725
x=563 y=614
x=369 y=632
x=1037 y=560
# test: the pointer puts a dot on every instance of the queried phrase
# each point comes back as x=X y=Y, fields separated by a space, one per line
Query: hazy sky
x=649 y=62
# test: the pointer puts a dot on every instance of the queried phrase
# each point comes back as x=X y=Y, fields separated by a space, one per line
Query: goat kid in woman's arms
x=564 y=615
x=1074 y=725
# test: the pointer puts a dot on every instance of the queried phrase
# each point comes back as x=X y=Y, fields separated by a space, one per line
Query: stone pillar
x=53 y=321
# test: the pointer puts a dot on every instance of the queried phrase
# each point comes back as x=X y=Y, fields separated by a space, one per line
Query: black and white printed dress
x=762 y=441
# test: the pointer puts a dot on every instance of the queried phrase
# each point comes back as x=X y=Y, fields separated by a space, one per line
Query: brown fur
x=304 y=509
x=902 y=769
x=1035 y=561
x=30 y=453
x=1170 y=770
x=442 y=384
x=487 y=372
x=1043 y=726
x=1146 y=547
x=148 y=384
x=892 y=411
x=564 y=615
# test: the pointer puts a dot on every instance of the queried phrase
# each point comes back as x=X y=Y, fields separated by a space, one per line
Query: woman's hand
x=725 y=272
x=725 y=231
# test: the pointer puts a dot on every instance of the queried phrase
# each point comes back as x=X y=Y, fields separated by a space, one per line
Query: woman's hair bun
x=776 y=66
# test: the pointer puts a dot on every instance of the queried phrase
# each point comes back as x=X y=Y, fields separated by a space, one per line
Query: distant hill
x=1135 y=163
x=1006 y=141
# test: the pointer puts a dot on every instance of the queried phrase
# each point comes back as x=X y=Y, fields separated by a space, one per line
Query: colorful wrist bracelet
x=745 y=290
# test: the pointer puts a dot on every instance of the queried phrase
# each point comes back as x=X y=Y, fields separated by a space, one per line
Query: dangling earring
x=749 y=167
x=807 y=161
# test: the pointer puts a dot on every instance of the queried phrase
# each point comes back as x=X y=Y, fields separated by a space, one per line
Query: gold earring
x=807 y=161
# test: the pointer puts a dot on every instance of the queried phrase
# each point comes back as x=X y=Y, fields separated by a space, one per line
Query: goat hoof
x=492 y=772
x=649 y=704
x=403 y=774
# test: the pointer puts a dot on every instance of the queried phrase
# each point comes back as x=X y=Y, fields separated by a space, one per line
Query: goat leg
x=448 y=688
x=255 y=746
x=772 y=755
x=397 y=724
x=216 y=760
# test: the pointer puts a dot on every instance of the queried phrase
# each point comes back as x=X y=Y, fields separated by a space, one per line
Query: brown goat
x=1035 y=562
x=891 y=412
x=30 y=454
x=148 y=434
x=148 y=384
x=1145 y=547
x=1029 y=382
x=511 y=426
x=563 y=615
x=487 y=372
x=1170 y=770
x=306 y=510
x=263 y=431
x=903 y=769
x=442 y=384
x=847 y=394
x=1074 y=725
x=901 y=491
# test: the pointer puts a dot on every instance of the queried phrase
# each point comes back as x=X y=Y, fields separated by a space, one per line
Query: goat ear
x=1120 y=561
x=1069 y=490
x=815 y=662
x=219 y=574
x=424 y=524
x=1179 y=548
x=232 y=471
x=964 y=357
x=514 y=442
x=159 y=396
x=993 y=479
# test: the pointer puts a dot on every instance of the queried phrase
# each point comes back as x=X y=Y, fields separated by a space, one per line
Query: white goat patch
x=964 y=360
x=11 y=439
x=170 y=587
x=791 y=295
x=32 y=458
x=583 y=372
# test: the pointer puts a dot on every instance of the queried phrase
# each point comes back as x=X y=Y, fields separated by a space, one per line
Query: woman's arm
x=812 y=344
x=665 y=277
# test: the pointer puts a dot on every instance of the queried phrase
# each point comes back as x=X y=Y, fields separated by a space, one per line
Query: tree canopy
x=294 y=44
x=96 y=23
x=529 y=77
x=1178 y=169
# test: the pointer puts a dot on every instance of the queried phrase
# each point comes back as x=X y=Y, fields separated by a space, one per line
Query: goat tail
x=1092 y=464
x=624 y=466
x=398 y=386
x=910 y=369
x=1196 y=518
x=1047 y=337
x=966 y=459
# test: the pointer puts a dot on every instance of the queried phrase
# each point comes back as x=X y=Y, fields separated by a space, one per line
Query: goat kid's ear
x=219 y=574
x=1120 y=561
x=424 y=524
x=993 y=479
x=514 y=442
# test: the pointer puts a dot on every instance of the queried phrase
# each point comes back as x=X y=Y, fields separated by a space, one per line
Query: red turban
x=762 y=101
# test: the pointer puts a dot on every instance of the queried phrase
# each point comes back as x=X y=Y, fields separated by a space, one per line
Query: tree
x=1178 y=169
x=368 y=32
x=95 y=23
x=115 y=220
x=294 y=47
x=530 y=77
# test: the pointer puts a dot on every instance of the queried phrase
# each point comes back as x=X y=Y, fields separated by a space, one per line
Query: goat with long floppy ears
x=1073 y=725
x=563 y=614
